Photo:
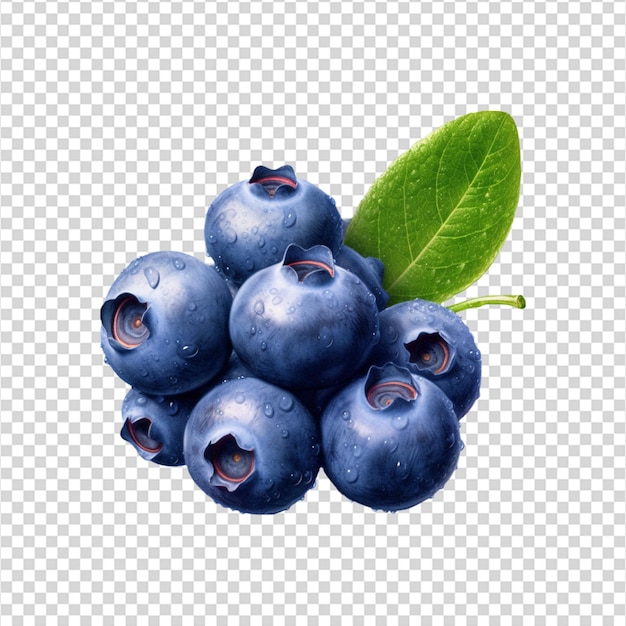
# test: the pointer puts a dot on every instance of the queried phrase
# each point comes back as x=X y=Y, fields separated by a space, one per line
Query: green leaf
x=439 y=215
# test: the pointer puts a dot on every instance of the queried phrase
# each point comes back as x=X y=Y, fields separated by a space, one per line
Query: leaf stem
x=515 y=301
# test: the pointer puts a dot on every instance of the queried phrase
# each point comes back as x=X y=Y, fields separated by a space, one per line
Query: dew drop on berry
x=474 y=354
x=392 y=444
x=345 y=415
x=286 y=403
x=240 y=398
x=152 y=276
x=173 y=407
x=142 y=400
x=179 y=264
x=400 y=422
x=259 y=307
x=268 y=410
x=351 y=474
x=295 y=478
x=187 y=351
x=289 y=219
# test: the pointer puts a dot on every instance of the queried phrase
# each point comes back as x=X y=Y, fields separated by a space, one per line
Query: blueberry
x=390 y=439
x=305 y=322
x=155 y=425
x=234 y=369
x=250 y=224
x=434 y=342
x=369 y=269
x=252 y=446
x=165 y=323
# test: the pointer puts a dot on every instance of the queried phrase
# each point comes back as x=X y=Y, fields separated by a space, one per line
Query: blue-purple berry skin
x=393 y=446
x=250 y=224
x=155 y=425
x=165 y=323
x=434 y=342
x=304 y=323
x=252 y=446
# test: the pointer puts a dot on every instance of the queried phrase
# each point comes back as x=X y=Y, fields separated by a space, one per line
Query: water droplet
x=263 y=346
x=259 y=307
x=345 y=415
x=351 y=474
x=308 y=477
x=356 y=450
x=325 y=338
x=142 y=400
x=261 y=242
x=240 y=398
x=173 y=407
x=295 y=477
x=173 y=380
x=400 y=422
x=284 y=433
x=179 y=264
x=315 y=449
x=268 y=410
x=286 y=403
x=192 y=306
x=289 y=219
x=230 y=236
x=152 y=276
x=402 y=469
x=392 y=444
x=276 y=300
x=187 y=351
x=248 y=265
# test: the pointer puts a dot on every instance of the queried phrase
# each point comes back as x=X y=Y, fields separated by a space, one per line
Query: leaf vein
x=415 y=260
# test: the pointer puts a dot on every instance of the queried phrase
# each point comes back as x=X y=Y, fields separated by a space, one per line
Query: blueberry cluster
x=281 y=356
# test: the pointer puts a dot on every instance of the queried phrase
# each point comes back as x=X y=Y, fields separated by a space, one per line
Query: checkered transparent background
x=120 y=121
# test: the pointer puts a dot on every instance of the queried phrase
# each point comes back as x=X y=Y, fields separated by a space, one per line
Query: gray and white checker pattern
x=120 y=121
